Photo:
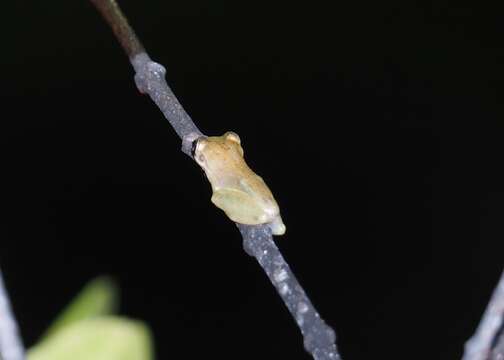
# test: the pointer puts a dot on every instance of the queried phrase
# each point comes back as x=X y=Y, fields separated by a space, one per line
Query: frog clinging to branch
x=237 y=190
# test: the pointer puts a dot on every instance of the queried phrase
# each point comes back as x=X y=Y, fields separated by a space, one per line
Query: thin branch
x=150 y=76
x=11 y=346
x=150 y=79
x=480 y=346
x=498 y=349
x=120 y=26
x=319 y=338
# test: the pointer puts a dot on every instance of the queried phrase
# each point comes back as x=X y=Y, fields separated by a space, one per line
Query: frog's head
x=217 y=151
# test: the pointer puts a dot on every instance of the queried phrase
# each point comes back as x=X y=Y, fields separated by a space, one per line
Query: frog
x=236 y=189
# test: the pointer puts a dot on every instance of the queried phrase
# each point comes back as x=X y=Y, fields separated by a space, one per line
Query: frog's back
x=237 y=190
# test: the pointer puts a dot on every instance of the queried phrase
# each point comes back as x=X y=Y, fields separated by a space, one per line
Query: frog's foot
x=277 y=226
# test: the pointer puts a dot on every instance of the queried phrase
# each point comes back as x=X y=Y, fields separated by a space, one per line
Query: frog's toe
x=277 y=226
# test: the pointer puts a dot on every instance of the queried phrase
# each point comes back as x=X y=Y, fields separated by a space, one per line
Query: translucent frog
x=237 y=190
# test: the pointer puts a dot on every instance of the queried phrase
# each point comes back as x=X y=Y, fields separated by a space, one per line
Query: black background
x=378 y=125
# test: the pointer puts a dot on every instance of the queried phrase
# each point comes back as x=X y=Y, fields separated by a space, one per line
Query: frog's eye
x=193 y=148
x=233 y=137
x=198 y=145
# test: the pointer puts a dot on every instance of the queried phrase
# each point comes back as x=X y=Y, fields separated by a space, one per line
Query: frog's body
x=237 y=190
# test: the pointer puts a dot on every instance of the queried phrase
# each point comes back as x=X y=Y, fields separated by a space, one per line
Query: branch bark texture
x=319 y=338
x=150 y=79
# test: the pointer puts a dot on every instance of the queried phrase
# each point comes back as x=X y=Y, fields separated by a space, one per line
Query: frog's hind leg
x=277 y=226
x=239 y=207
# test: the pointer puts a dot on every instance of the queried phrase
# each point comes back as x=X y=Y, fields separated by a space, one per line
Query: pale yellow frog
x=241 y=193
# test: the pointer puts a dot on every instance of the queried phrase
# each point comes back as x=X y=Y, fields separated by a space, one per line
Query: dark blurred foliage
x=378 y=125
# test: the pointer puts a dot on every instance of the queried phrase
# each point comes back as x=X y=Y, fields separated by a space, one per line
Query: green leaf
x=102 y=338
x=99 y=297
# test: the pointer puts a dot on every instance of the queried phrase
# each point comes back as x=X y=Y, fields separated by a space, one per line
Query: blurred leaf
x=99 y=297
x=102 y=338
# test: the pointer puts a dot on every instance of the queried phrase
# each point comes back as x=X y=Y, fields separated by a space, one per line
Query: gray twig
x=498 y=349
x=486 y=343
x=124 y=33
x=11 y=346
x=319 y=339
x=150 y=79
